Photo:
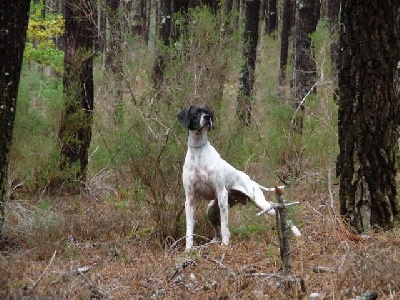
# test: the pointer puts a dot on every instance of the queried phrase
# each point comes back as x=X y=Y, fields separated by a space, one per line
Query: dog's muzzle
x=206 y=121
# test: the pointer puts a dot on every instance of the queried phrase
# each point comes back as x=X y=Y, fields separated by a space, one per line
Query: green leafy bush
x=42 y=32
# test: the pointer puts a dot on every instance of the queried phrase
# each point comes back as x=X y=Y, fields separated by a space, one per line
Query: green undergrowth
x=138 y=161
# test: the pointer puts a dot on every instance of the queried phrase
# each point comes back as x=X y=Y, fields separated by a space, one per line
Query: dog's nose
x=207 y=117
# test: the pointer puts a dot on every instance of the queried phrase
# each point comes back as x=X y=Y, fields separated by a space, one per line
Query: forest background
x=120 y=235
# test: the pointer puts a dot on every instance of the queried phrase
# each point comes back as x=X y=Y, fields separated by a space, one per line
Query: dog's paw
x=225 y=241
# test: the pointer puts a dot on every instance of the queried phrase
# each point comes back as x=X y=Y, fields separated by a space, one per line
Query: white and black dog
x=207 y=175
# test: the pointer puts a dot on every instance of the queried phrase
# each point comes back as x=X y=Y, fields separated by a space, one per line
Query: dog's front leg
x=190 y=213
x=224 y=214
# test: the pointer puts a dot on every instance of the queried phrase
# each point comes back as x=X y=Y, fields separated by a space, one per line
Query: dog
x=207 y=175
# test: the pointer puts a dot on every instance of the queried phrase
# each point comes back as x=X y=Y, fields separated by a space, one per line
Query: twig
x=163 y=147
x=330 y=191
x=45 y=270
x=277 y=206
x=265 y=275
x=320 y=82
x=184 y=237
x=222 y=266
x=316 y=211
x=212 y=242
x=344 y=256
x=94 y=287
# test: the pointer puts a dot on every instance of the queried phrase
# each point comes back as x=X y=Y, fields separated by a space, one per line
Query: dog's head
x=197 y=118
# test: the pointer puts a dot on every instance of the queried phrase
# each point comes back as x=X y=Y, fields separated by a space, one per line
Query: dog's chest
x=200 y=174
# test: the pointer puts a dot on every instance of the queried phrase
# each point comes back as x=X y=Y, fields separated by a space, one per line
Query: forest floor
x=99 y=251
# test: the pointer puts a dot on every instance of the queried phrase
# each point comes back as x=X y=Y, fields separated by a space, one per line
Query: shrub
x=42 y=32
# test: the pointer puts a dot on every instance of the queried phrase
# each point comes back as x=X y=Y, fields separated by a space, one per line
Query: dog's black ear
x=184 y=116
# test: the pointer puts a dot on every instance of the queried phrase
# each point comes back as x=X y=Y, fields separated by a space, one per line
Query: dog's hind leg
x=215 y=218
x=260 y=201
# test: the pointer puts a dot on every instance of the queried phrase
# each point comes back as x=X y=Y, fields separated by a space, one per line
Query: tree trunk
x=243 y=106
x=101 y=29
x=271 y=20
x=167 y=10
x=368 y=114
x=165 y=34
x=317 y=12
x=333 y=14
x=304 y=71
x=235 y=14
x=263 y=11
x=284 y=41
x=76 y=123
x=13 y=26
x=113 y=63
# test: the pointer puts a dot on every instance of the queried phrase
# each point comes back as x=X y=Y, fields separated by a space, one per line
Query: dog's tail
x=281 y=187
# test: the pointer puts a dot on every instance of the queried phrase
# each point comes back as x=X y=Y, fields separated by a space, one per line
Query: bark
x=243 y=105
x=165 y=35
x=146 y=20
x=304 y=71
x=235 y=14
x=333 y=14
x=113 y=63
x=271 y=19
x=101 y=28
x=283 y=233
x=317 y=12
x=212 y=4
x=368 y=114
x=76 y=123
x=13 y=26
x=286 y=16
x=134 y=19
x=263 y=11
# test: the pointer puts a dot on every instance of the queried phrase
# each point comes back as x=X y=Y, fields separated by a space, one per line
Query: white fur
x=207 y=175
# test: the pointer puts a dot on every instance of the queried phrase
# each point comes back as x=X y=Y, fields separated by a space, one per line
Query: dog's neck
x=197 y=139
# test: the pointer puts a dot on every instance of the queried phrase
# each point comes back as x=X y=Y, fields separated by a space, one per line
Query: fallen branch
x=92 y=286
x=222 y=266
x=173 y=245
x=45 y=271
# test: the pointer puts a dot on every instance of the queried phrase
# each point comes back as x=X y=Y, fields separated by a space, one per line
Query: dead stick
x=284 y=236
x=93 y=286
x=45 y=270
